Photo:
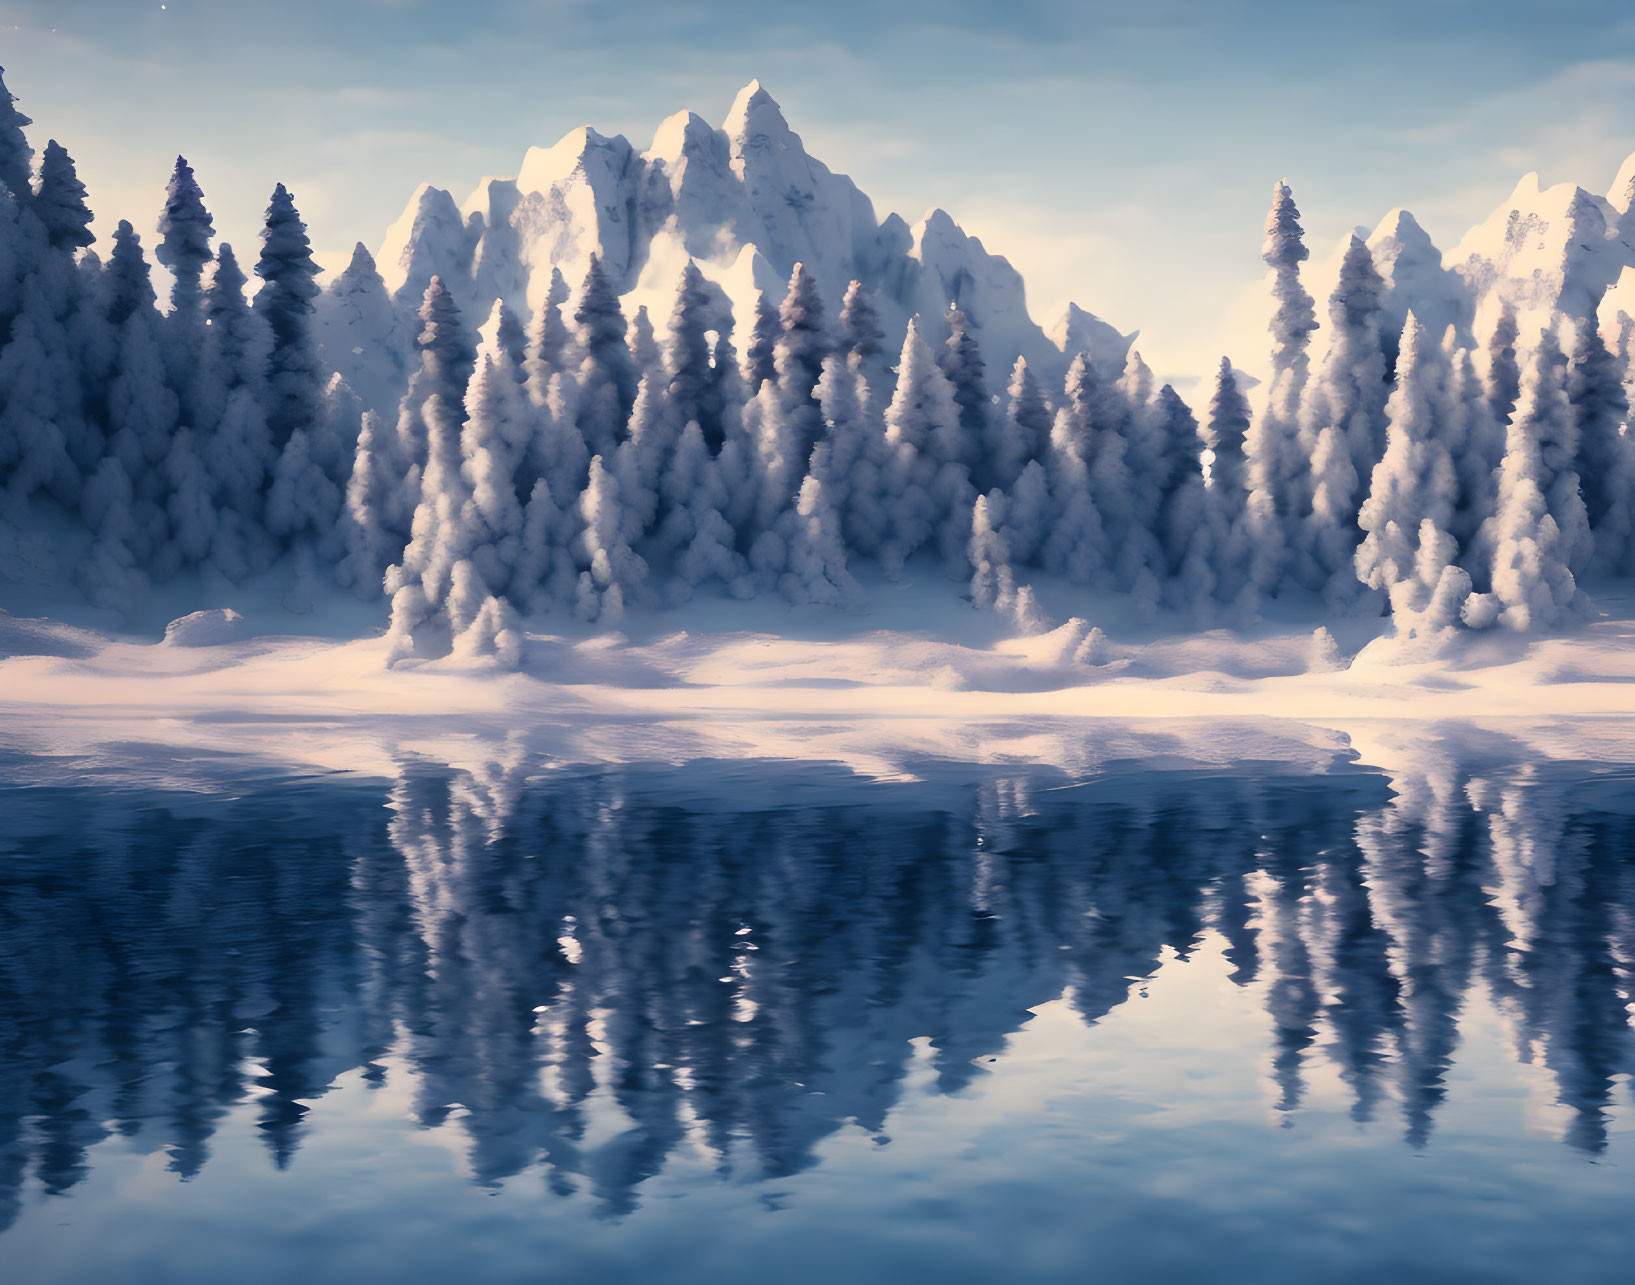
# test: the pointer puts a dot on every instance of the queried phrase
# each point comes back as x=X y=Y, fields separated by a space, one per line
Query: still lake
x=772 y=1021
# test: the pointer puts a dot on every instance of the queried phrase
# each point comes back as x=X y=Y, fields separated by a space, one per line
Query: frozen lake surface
x=1126 y=1011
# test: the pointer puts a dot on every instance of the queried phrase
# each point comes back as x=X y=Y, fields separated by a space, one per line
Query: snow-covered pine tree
x=548 y=339
x=925 y=489
x=695 y=533
x=861 y=338
x=16 y=156
x=816 y=562
x=645 y=357
x=362 y=336
x=961 y=361
x=1022 y=433
x=1275 y=462
x=615 y=575
x=1503 y=367
x=447 y=357
x=797 y=361
x=1342 y=425
x=644 y=455
x=1225 y=433
x=1533 y=585
x=607 y=375
x=847 y=460
x=142 y=410
x=1408 y=549
x=1605 y=459
x=289 y=285
x=185 y=229
x=1477 y=446
x=688 y=355
x=494 y=444
x=59 y=202
x=1077 y=545
x=229 y=408
x=370 y=543
x=763 y=339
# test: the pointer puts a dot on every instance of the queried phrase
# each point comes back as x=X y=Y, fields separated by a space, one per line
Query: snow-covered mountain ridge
x=746 y=202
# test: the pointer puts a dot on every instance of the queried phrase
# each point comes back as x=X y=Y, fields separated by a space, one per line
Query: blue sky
x=1120 y=152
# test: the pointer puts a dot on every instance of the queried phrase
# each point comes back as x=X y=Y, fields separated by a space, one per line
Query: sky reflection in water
x=768 y=1021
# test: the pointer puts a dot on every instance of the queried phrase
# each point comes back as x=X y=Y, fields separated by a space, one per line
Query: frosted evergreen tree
x=860 y=334
x=545 y=577
x=688 y=355
x=1503 y=369
x=494 y=444
x=284 y=301
x=847 y=461
x=362 y=336
x=607 y=376
x=961 y=361
x=926 y=493
x=438 y=538
x=334 y=436
x=60 y=202
x=1408 y=549
x=503 y=334
x=696 y=540
x=128 y=283
x=694 y=529
x=1342 y=428
x=1354 y=369
x=1029 y=515
x=185 y=229
x=1533 y=585
x=1603 y=461
x=797 y=360
x=16 y=156
x=763 y=338
x=548 y=339
x=142 y=410
x=1022 y=433
x=228 y=407
x=816 y=565
x=1477 y=445
x=370 y=544
x=1275 y=463
x=644 y=455
x=1077 y=545
x=1556 y=431
x=615 y=573
x=1226 y=432
x=645 y=357
x=994 y=586
x=776 y=468
x=447 y=357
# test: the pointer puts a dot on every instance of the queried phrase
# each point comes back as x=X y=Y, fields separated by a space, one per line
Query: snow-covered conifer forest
x=631 y=380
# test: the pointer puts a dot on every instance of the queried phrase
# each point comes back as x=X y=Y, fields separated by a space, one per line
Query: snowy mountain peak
x=745 y=202
x=1079 y=331
x=1543 y=250
x=1416 y=282
x=1621 y=195
x=755 y=113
